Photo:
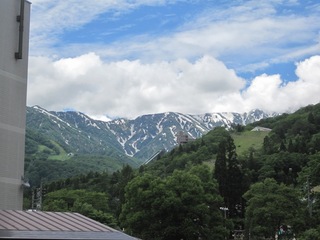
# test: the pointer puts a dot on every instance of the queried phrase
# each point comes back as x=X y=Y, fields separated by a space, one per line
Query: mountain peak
x=139 y=137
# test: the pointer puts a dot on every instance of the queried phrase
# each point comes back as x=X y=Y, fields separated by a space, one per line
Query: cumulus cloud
x=272 y=94
x=129 y=88
x=132 y=88
x=193 y=68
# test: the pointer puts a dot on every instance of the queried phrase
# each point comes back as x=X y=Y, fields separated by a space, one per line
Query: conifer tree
x=229 y=175
x=220 y=170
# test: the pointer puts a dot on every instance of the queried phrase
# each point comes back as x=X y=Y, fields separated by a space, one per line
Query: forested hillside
x=207 y=189
x=64 y=144
x=140 y=138
x=46 y=160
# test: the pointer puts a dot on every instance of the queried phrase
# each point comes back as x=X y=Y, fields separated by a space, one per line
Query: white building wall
x=13 y=90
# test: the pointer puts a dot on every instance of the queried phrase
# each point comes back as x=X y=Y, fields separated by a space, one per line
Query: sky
x=126 y=58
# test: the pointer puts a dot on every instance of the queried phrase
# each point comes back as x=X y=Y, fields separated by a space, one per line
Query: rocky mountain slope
x=139 y=138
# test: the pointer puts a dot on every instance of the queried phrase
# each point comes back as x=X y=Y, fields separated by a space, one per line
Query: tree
x=89 y=203
x=283 y=167
x=234 y=187
x=271 y=205
x=311 y=234
x=118 y=182
x=268 y=147
x=220 y=168
x=309 y=181
x=138 y=216
x=228 y=173
x=182 y=206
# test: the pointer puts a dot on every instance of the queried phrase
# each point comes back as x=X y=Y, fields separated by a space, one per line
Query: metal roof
x=54 y=225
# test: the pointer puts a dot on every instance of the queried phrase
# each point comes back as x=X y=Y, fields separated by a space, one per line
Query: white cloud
x=49 y=19
x=272 y=94
x=253 y=34
x=191 y=69
x=131 y=88
x=221 y=32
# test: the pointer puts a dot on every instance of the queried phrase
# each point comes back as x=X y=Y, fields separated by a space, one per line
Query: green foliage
x=311 y=234
x=181 y=206
x=88 y=203
x=298 y=129
x=178 y=196
x=229 y=175
x=34 y=139
x=271 y=205
x=193 y=153
x=309 y=183
x=283 y=167
x=98 y=195
x=238 y=128
x=45 y=171
x=74 y=134
x=42 y=153
x=220 y=169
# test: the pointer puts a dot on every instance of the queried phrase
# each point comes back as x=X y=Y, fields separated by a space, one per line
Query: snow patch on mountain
x=143 y=136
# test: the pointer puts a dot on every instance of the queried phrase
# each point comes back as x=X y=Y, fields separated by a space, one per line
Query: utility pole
x=37 y=198
x=225 y=209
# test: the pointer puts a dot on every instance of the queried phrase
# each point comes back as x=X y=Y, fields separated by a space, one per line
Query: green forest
x=46 y=160
x=235 y=184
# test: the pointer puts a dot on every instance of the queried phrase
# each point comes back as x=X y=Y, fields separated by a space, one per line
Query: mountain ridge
x=140 y=137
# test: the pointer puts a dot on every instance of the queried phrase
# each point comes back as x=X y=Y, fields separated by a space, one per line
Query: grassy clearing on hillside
x=243 y=141
x=62 y=156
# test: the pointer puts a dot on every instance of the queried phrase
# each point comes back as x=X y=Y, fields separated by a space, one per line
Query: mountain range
x=139 y=138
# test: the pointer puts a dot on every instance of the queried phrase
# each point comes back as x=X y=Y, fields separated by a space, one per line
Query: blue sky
x=126 y=58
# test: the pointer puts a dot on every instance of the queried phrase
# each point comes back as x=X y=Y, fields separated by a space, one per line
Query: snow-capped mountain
x=139 y=138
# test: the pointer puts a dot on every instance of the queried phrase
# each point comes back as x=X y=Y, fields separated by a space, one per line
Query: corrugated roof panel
x=34 y=222
x=43 y=216
x=43 y=222
x=11 y=218
x=69 y=218
x=66 y=235
x=5 y=225
x=62 y=221
x=95 y=226
x=54 y=225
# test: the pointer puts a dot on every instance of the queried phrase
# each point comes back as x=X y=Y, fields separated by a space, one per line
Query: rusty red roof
x=53 y=225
